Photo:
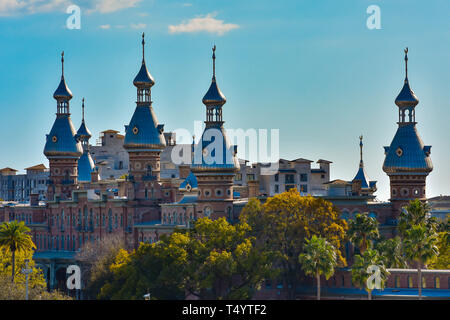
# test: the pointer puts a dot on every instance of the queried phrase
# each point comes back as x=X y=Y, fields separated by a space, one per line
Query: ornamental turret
x=144 y=138
x=365 y=186
x=62 y=147
x=85 y=163
x=408 y=160
x=215 y=163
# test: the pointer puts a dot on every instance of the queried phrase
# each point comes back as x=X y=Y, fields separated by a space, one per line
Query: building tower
x=407 y=161
x=215 y=163
x=360 y=183
x=144 y=139
x=85 y=163
x=62 y=147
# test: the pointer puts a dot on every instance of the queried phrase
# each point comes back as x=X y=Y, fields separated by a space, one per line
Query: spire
x=214 y=62
x=143 y=47
x=83 y=132
x=143 y=79
x=406 y=97
x=361 y=174
x=82 y=108
x=62 y=94
x=62 y=65
x=406 y=64
x=214 y=97
x=361 y=163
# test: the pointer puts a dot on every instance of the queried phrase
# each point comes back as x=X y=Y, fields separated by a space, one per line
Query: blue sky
x=310 y=68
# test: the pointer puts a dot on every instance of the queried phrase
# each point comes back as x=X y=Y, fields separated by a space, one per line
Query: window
x=289 y=178
x=276 y=177
x=277 y=188
x=437 y=283
x=304 y=188
x=424 y=282
x=250 y=177
x=303 y=177
x=397 y=281
x=238 y=177
x=410 y=282
x=268 y=284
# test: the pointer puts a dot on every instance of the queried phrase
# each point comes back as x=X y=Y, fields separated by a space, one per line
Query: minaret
x=215 y=163
x=367 y=187
x=408 y=160
x=62 y=147
x=144 y=139
x=85 y=163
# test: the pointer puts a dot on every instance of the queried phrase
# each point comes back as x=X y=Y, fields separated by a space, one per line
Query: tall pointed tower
x=85 y=163
x=62 y=147
x=144 y=139
x=408 y=160
x=215 y=163
x=365 y=187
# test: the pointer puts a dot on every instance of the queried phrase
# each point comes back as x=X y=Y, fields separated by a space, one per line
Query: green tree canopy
x=318 y=258
x=15 y=237
x=362 y=231
x=283 y=223
x=361 y=270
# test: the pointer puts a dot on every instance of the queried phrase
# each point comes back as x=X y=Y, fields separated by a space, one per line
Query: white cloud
x=203 y=24
x=108 y=6
x=22 y=7
x=25 y=7
x=105 y=26
x=138 y=26
x=187 y=4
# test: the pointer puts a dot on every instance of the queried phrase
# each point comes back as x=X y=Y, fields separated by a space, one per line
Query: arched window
x=410 y=282
x=345 y=215
x=437 y=283
x=85 y=216
x=109 y=219
x=207 y=211
x=230 y=214
x=91 y=218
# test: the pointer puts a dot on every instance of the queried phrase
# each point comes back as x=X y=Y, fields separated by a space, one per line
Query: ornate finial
x=406 y=63
x=361 y=150
x=143 y=43
x=82 y=108
x=62 y=64
x=214 y=61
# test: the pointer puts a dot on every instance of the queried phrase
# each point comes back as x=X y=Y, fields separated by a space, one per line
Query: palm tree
x=391 y=252
x=420 y=246
x=362 y=230
x=14 y=237
x=319 y=258
x=416 y=213
x=364 y=267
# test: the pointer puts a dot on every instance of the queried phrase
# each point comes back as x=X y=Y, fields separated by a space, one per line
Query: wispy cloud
x=206 y=23
x=105 y=26
x=108 y=6
x=26 y=7
x=138 y=25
